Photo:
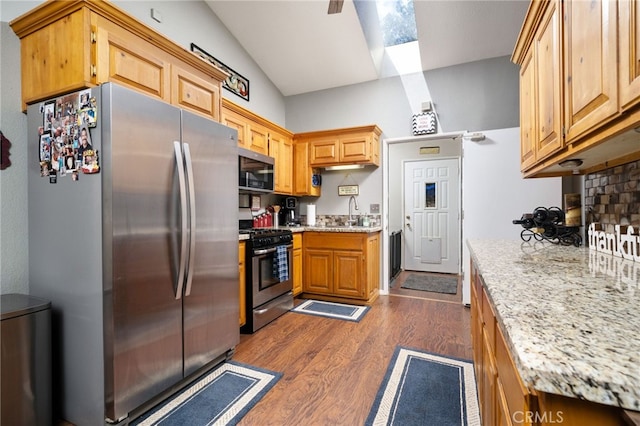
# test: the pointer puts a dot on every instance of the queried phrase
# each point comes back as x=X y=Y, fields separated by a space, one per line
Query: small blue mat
x=332 y=310
x=420 y=388
x=221 y=397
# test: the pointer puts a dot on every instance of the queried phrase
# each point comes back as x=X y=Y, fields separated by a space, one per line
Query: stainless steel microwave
x=256 y=171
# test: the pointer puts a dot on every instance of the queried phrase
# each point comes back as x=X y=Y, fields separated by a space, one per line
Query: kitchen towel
x=311 y=214
x=281 y=264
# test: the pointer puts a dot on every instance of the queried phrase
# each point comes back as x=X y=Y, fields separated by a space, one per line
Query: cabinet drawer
x=338 y=241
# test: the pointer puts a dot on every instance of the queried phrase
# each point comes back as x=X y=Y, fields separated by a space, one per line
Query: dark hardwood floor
x=332 y=369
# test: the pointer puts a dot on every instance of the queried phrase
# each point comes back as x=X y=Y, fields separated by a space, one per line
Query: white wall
x=494 y=192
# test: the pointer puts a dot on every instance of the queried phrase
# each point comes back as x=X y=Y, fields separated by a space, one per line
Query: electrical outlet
x=374 y=208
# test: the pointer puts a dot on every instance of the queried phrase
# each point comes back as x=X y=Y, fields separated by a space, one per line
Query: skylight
x=397 y=21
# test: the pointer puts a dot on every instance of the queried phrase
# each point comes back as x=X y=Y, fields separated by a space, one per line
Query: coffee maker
x=289 y=212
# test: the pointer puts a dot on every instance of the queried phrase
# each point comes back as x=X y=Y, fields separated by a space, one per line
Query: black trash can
x=25 y=338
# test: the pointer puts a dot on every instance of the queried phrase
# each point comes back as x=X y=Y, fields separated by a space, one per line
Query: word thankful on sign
x=623 y=242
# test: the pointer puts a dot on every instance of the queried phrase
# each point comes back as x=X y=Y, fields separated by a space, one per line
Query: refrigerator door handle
x=192 y=217
x=183 y=218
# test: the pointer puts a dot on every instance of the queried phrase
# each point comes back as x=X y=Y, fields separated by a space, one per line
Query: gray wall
x=480 y=95
x=475 y=96
x=13 y=180
x=183 y=22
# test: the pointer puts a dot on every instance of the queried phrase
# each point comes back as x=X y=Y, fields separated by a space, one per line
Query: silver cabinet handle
x=192 y=218
x=183 y=218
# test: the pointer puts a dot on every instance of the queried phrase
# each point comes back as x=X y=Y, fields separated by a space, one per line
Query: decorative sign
x=424 y=123
x=622 y=243
x=235 y=83
x=348 y=190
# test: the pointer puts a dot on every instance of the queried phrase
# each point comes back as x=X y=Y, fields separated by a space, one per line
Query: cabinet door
x=488 y=400
x=372 y=281
x=192 y=91
x=286 y=166
x=236 y=121
x=527 y=113
x=590 y=65
x=302 y=171
x=258 y=139
x=297 y=272
x=348 y=273
x=548 y=68
x=323 y=151
x=318 y=271
x=50 y=64
x=132 y=62
x=355 y=149
x=281 y=149
x=629 y=48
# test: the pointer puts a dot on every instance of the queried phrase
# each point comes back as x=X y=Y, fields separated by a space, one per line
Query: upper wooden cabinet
x=303 y=173
x=354 y=145
x=590 y=65
x=281 y=148
x=629 y=42
x=71 y=45
x=260 y=135
x=547 y=72
x=579 y=86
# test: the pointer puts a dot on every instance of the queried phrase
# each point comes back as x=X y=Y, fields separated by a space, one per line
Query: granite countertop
x=571 y=317
x=296 y=229
x=366 y=229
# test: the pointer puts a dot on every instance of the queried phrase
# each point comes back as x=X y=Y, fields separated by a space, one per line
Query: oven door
x=266 y=285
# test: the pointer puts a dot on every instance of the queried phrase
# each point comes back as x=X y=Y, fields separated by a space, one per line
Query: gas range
x=268 y=237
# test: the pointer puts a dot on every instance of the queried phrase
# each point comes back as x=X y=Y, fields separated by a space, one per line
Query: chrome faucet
x=351 y=221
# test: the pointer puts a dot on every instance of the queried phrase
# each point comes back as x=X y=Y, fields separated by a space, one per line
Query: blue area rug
x=420 y=388
x=221 y=397
x=332 y=310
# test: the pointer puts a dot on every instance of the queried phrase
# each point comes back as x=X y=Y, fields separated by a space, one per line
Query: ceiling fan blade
x=335 y=6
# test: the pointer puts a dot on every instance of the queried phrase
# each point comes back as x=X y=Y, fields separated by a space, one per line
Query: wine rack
x=548 y=224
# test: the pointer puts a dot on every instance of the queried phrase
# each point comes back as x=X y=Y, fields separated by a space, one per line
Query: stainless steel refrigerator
x=133 y=237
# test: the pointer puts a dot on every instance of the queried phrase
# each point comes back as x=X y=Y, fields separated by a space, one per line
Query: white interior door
x=432 y=215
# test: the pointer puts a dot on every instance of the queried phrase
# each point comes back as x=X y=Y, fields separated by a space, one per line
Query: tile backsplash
x=612 y=196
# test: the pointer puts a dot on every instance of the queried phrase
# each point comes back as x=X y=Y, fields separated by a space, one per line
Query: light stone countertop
x=297 y=229
x=571 y=317
x=365 y=229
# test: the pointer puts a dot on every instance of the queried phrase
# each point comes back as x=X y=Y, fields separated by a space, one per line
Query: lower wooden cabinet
x=341 y=266
x=503 y=397
x=297 y=264
x=242 y=282
x=501 y=393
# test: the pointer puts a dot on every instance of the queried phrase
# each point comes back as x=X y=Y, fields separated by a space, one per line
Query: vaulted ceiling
x=302 y=48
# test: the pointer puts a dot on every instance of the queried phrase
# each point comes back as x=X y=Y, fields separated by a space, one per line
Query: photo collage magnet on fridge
x=64 y=144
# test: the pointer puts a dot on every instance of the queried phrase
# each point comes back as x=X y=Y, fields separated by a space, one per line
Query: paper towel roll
x=311 y=214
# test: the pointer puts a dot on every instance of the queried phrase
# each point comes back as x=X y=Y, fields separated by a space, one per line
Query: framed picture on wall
x=235 y=83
